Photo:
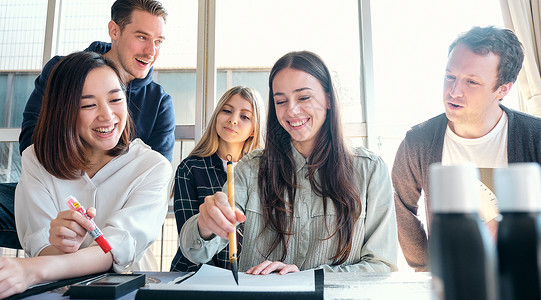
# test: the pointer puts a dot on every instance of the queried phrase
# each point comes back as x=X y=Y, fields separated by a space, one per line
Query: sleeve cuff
x=194 y=247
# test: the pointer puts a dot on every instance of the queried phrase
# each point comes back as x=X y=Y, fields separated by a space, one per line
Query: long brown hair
x=57 y=144
x=277 y=177
x=208 y=144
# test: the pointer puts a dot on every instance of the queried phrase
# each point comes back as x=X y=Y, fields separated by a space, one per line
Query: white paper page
x=210 y=278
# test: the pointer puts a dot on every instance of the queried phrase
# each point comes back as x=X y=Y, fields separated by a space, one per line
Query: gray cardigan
x=423 y=146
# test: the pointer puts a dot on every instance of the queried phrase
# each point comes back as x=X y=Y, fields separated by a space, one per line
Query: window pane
x=22 y=31
x=179 y=50
x=250 y=77
x=81 y=23
x=255 y=79
x=252 y=35
x=15 y=87
x=24 y=85
x=178 y=58
x=181 y=86
x=3 y=97
x=221 y=83
x=10 y=166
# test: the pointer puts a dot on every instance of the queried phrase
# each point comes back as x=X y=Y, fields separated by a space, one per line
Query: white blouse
x=129 y=193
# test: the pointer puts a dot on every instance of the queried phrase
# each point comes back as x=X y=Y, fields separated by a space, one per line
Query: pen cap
x=454 y=189
x=104 y=245
x=518 y=187
x=72 y=202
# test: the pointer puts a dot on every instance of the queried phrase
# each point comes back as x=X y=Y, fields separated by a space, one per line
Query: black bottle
x=462 y=255
x=518 y=189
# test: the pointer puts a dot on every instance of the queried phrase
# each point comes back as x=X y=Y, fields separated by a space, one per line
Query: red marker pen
x=96 y=233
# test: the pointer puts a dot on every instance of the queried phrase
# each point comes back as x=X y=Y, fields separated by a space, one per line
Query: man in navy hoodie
x=136 y=32
x=136 y=36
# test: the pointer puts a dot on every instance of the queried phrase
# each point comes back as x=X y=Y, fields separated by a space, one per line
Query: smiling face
x=469 y=95
x=301 y=107
x=234 y=122
x=137 y=46
x=103 y=113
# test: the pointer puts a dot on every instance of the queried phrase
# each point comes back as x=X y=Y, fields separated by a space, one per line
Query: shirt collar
x=299 y=160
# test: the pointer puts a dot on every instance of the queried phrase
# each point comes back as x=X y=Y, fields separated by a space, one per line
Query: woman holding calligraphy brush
x=308 y=200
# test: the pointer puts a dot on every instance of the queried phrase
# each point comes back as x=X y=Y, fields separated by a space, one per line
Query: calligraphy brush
x=232 y=235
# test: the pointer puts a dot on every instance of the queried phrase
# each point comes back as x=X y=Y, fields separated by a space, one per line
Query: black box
x=107 y=286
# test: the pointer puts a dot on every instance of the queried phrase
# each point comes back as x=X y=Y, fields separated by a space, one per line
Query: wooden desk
x=352 y=285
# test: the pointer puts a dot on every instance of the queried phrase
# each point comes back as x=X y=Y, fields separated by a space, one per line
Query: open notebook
x=211 y=282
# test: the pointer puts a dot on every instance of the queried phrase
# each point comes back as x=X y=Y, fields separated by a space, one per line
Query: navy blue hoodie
x=151 y=108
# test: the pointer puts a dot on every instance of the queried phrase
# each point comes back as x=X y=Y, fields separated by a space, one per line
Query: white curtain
x=524 y=18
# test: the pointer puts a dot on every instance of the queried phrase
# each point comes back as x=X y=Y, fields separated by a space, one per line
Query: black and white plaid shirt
x=196 y=178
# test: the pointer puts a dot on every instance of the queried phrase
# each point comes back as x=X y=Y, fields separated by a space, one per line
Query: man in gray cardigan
x=483 y=64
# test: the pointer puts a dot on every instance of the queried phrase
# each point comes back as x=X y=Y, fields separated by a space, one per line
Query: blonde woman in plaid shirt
x=233 y=129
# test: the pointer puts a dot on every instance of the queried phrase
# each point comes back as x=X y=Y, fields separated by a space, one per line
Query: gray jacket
x=423 y=146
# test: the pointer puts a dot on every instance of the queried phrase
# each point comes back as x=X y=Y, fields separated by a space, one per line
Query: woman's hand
x=68 y=230
x=268 y=267
x=15 y=275
x=217 y=217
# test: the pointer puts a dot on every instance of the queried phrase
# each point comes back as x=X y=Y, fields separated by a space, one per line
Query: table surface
x=378 y=286
x=349 y=285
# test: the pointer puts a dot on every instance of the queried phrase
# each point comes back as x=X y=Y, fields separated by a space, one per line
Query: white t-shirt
x=224 y=162
x=487 y=152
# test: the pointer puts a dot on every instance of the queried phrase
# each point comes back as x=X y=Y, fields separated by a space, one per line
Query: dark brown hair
x=500 y=41
x=331 y=156
x=57 y=143
x=121 y=10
